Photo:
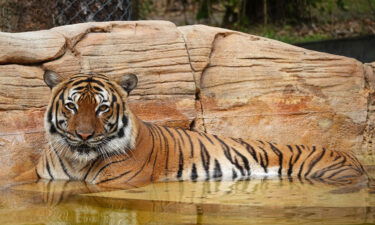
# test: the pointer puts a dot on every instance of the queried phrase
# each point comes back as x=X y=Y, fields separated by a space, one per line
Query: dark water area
x=360 y=48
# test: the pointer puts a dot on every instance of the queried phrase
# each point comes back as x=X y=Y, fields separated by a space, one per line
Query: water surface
x=243 y=202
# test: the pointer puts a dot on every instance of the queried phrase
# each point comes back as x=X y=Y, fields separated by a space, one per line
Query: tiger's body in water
x=94 y=137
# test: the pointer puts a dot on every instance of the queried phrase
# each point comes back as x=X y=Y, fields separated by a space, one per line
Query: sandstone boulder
x=254 y=87
x=198 y=77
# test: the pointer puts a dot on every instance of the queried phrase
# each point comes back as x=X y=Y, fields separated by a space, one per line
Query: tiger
x=94 y=137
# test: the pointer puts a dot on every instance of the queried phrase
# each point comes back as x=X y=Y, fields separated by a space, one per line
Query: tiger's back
x=189 y=155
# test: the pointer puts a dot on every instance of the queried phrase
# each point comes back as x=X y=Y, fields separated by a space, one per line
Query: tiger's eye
x=70 y=105
x=103 y=108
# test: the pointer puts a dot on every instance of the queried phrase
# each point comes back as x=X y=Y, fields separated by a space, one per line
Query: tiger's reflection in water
x=59 y=191
x=219 y=202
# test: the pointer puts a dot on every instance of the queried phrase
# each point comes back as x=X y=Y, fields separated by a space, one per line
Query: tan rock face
x=30 y=47
x=209 y=79
x=368 y=147
x=262 y=89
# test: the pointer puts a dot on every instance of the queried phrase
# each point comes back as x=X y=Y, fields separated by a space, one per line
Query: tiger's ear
x=51 y=78
x=128 y=82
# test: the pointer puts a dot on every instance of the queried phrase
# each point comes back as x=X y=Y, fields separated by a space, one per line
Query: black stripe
x=88 y=80
x=121 y=133
x=337 y=157
x=225 y=149
x=157 y=130
x=190 y=142
x=194 y=174
x=300 y=169
x=180 y=161
x=113 y=178
x=63 y=166
x=52 y=129
x=303 y=164
x=234 y=174
x=117 y=108
x=124 y=121
x=337 y=172
x=181 y=138
x=205 y=156
x=110 y=126
x=105 y=166
x=299 y=154
x=88 y=171
x=292 y=161
x=49 y=117
x=359 y=167
x=290 y=164
x=279 y=155
x=217 y=170
x=250 y=149
x=244 y=160
x=264 y=163
x=166 y=145
x=114 y=99
x=238 y=166
x=102 y=97
x=205 y=136
x=49 y=114
x=98 y=89
x=314 y=162
x=329 y=168
x=150 y=129
x=55 y=103
x=142 y=168
x=56 y=110
x=79 y=88
x=48 y=168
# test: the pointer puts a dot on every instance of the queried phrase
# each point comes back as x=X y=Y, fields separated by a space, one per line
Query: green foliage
x=289 y=36
x=289 y=21
x=204 y=8
x=145 y=8
x=247 y=12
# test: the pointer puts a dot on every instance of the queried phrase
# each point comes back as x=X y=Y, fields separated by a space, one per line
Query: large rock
x=204 y=78
x=368 y=147
x=30 y=47
x=254 y=87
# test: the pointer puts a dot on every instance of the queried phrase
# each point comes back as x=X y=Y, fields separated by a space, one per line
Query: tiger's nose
x=85 y=135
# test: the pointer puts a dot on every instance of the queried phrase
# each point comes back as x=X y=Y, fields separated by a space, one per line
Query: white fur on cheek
x=121 y=145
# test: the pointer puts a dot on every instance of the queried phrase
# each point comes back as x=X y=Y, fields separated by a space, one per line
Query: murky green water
x=244 y=202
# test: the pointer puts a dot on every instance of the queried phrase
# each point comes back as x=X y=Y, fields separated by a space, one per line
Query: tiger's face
x=87 y=116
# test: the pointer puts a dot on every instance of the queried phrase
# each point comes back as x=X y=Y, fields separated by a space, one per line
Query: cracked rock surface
x=204 y=78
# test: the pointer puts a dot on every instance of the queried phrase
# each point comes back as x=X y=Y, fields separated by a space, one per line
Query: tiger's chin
x=83 y=156
x=85 y=153
x=79 y=152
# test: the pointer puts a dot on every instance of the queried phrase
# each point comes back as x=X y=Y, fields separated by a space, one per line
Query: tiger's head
x=87 y=116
